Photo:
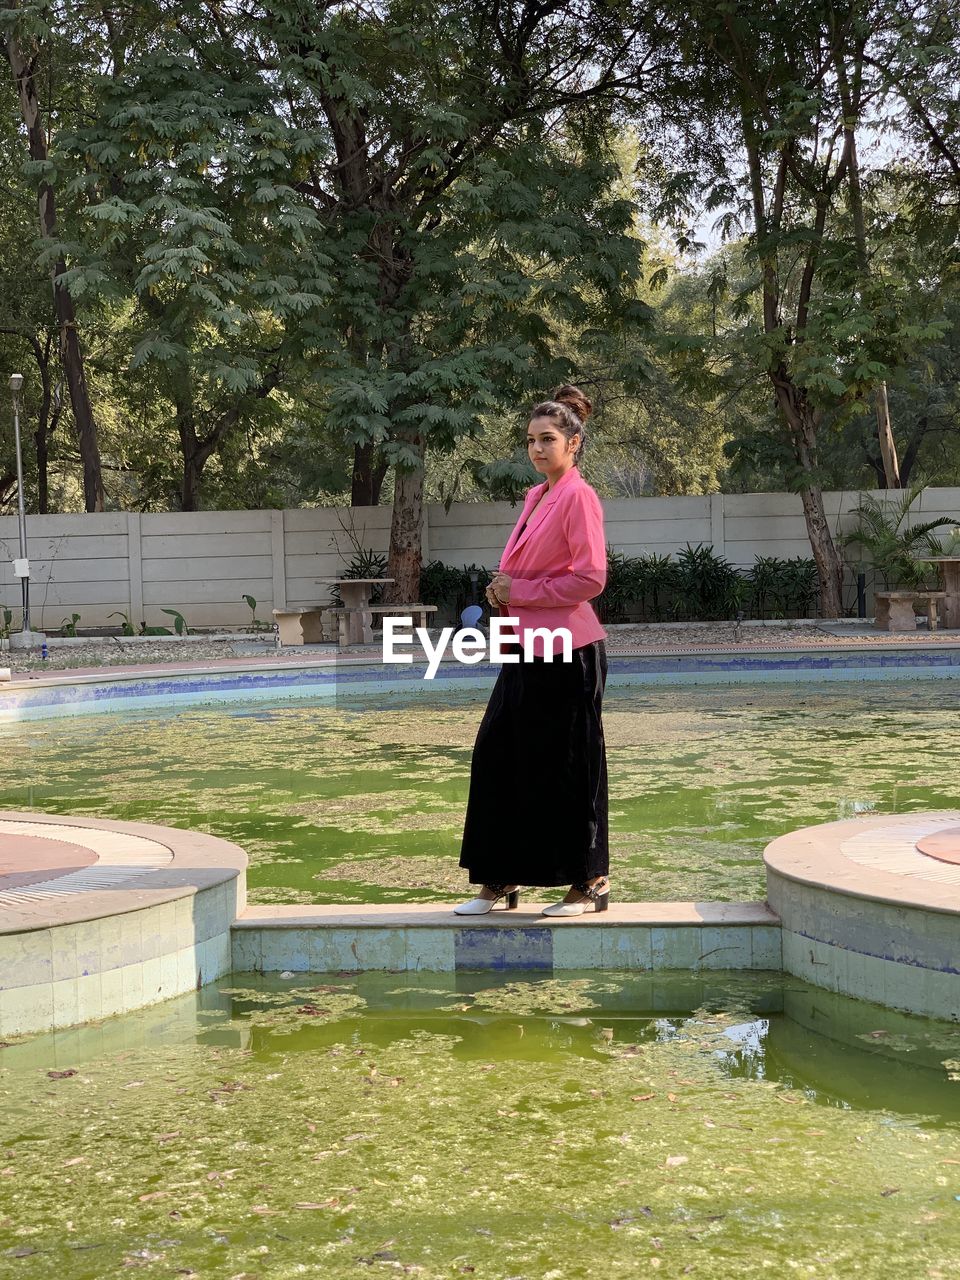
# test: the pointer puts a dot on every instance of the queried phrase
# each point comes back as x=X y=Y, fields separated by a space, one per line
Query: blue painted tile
x=498 y=948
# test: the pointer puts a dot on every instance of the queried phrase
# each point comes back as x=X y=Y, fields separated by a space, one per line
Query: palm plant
x=892 y=543
x=707 y=585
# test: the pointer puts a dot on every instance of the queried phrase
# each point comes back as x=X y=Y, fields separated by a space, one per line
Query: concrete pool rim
x=840 y=914
x=47 y=695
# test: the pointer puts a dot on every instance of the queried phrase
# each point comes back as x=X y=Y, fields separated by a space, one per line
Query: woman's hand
x=500 y=588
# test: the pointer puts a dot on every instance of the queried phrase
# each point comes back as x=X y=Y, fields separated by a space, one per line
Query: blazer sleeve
x=582 y=520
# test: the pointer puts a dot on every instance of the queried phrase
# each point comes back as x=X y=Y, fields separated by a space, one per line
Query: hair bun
x=575 y=400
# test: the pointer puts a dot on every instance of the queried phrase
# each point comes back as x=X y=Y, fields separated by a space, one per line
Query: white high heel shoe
x=480 y=906
x=598 y=894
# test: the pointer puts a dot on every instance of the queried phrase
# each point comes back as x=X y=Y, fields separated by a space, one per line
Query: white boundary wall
x=203 y=563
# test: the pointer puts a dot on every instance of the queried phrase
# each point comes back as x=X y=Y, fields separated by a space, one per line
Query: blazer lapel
x=534 y=521
x=529 y=503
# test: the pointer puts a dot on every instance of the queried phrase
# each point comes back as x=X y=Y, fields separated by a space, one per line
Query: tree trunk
x=192 y=466
x=888 y=446
x=801 y=421
x=48 y=419
x=406 y=529
x=369 y=469
x=70 y=351
x=190 y=449
x=190 y=484
x=851 y=105
x=72 y=359
x=43 y=472
x=41 y=439
x=829 y=566
x=197 y=450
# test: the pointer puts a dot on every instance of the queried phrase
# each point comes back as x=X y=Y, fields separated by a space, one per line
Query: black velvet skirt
x=537 y=812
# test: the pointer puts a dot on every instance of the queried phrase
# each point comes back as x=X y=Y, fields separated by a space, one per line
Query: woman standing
x=537 y=812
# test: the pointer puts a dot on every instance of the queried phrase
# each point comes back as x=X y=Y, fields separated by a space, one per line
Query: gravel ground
x=117 y=651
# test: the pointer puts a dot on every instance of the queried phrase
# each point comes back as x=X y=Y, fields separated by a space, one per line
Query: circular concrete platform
x=944 y=845
x=26 y=859
x=48 y=859
x=871 y=908
x=98 y=918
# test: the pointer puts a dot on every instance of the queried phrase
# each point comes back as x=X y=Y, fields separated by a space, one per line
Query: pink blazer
x=559 y=562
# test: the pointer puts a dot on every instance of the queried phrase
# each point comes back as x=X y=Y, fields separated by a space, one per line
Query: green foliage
x=364 y=563
x=890 y=539
x=701 y=586
x=126 y=626
x=294 y=229
x=6 y=622
x=452 y=589
x=707 y=585
x=255 y=623
x=179 y=621
x=68 y=626
x=782 y=588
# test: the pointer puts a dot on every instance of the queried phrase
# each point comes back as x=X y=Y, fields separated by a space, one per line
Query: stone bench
x=361 y=631
x=896 y=610
x=300 y=626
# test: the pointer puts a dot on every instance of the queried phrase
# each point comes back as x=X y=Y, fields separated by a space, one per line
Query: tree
x=784 y=93
x=416 y=194
x=25 y=42
x=456 y=156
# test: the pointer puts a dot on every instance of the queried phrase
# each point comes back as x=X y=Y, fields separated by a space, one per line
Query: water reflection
x=760 y=1028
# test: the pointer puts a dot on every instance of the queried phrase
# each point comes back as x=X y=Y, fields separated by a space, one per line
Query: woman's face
x=549 y=449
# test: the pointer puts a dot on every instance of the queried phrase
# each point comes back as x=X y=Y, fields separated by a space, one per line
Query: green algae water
x=441 y=1125
x=360 y=802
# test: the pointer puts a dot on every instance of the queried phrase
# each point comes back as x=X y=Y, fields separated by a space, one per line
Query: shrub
x=708 y=587
x=451 y=589
x=782 y=588
x=364 y=563
x=891 y=542
x=700 y=586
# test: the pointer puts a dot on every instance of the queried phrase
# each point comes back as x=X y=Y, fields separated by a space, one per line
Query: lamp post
x=21 y=566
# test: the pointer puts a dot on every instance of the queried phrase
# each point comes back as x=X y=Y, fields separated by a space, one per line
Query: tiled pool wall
x=52 y=698
x=903 y=957
x=73 y=973
x=525 y=948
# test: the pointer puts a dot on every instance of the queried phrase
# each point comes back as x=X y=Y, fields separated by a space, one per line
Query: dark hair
x=569 y=409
